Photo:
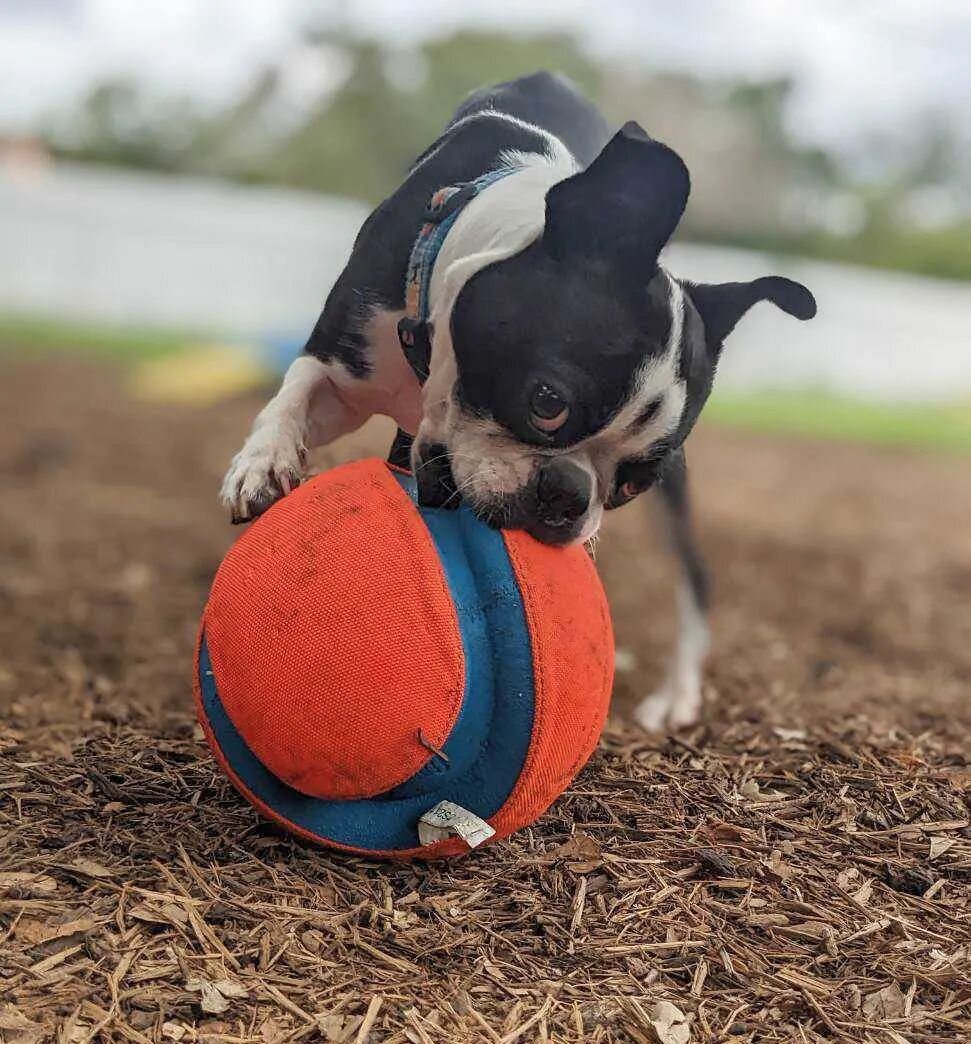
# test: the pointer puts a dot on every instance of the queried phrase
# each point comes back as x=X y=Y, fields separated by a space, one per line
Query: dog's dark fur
x=567 y=366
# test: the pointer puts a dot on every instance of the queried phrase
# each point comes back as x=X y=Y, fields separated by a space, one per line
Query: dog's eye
x=634 y=477
x=548 y=410
x=626 y=491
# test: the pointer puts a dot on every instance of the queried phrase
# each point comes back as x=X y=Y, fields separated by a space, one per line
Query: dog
x=565 y=365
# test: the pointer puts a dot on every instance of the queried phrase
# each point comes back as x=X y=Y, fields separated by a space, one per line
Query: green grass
x=22 y=334
x=940 y=253
x=819 y=415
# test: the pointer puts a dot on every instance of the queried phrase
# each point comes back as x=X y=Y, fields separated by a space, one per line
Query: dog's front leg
x=308 y=411
x=677 y=703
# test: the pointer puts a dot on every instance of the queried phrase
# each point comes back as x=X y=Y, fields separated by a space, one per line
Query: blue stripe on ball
x=488 y=744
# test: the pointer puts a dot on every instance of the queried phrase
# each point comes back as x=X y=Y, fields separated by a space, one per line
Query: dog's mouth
x=434 y=478
x=437 y=488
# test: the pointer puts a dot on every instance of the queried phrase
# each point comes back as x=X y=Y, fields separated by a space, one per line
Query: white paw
x=269 y=465
x=676 y=705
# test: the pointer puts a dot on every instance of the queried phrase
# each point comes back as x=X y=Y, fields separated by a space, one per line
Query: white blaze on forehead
x=658 y=380
x=661 y=377
x=677 y=315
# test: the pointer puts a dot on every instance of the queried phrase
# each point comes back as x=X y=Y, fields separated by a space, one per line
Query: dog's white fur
x=677 y=702
x=318 y=402
x=275 y=452
x=558 y=153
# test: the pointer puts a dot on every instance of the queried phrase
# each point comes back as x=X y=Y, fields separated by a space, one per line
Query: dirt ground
x=796 y=868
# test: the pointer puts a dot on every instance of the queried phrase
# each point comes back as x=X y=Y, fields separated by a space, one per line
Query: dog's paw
x=676 y=705
x=267 y=468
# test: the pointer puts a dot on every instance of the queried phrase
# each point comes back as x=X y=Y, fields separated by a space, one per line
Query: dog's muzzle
x=434 y=478
x=551 y=507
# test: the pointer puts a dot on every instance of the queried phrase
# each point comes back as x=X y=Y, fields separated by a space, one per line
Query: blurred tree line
x=368 y=109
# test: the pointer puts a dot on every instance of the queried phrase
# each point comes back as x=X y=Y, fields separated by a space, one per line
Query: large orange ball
x=362 y=660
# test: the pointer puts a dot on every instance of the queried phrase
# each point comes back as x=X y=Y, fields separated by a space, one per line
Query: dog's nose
x=563 y=493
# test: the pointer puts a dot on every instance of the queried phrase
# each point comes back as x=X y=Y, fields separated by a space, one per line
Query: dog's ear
x=721 y=305
x=623 y=207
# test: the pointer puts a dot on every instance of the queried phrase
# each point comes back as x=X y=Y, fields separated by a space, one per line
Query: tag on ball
x=446 y=819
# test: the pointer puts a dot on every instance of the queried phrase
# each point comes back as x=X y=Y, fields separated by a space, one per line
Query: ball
x=395 y=680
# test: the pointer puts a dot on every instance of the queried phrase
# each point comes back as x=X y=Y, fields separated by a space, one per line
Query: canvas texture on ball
x=361 y=660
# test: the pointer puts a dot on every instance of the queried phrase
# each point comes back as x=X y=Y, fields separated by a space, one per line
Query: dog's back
x=548 y=101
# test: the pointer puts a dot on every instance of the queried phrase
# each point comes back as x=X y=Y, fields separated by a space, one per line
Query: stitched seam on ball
x=442 y=580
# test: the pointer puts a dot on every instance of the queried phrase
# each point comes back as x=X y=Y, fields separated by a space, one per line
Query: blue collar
x=444 y=207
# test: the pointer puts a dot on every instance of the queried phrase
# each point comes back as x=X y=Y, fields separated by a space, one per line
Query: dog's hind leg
x=308 y=411
x=677 y=702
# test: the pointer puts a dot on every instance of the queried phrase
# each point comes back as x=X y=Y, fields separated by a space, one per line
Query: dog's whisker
x=456 y=455
x=431 y=460
x=460 y=487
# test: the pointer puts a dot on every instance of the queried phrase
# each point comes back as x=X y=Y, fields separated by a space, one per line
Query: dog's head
x=575 y=368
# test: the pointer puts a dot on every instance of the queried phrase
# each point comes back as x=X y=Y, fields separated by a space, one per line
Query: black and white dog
x=567 y=366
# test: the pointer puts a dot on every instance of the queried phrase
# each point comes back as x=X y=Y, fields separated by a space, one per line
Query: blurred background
x=194 y=169
x=180 y=183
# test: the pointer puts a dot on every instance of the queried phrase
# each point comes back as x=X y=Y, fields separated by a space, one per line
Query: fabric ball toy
x=400 y=681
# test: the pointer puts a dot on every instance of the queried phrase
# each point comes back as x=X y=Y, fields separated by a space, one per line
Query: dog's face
x=575 y=369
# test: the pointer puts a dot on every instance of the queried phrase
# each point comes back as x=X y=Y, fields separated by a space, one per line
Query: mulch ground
x=796 y=868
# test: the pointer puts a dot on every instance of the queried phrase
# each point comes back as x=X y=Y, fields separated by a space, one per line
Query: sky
x=860 y=65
